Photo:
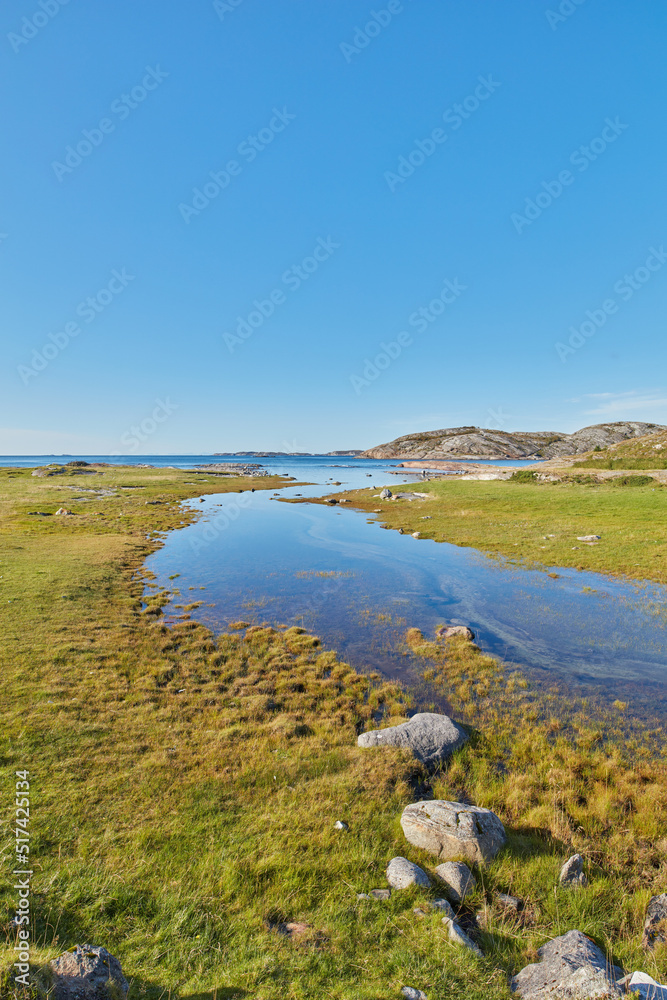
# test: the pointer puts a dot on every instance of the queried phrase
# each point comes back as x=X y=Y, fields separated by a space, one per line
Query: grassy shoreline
x=536 y=524
x=184 y=786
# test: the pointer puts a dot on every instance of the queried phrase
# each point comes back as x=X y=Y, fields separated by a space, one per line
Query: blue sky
x=296 y=225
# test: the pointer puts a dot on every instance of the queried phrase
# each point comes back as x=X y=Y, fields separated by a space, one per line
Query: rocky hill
x=478 y=442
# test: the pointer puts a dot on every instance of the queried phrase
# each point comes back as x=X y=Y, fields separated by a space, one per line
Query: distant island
x=350 y=453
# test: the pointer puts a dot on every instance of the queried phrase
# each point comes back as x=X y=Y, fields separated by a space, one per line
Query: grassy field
x=184 y=787
x=538 y=523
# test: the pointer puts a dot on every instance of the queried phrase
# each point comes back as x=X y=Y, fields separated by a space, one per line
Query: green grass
x=184 y=787
x=517 y=519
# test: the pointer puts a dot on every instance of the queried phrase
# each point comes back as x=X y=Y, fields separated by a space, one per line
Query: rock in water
x=453 y=830
x=88 y=973
x=458 y=878
x=571 y=967
x=448 y=631
x=572 y=872
x=432 y=738
x=655 y=925
x=401 y=873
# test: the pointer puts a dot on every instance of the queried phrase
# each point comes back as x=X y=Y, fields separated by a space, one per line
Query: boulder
x=448 y=631
x=459 y=936
x=416 y=534
x=412 y=993
x=655 y=925
x=572 y=872
x=432 y=738
x=642 y=986
x=386 y=494
x=340 y=824
x=571 y=967
x=88 y=973
x=453 y=830
x=402 y=873
x=459 y=880
x=589 y=538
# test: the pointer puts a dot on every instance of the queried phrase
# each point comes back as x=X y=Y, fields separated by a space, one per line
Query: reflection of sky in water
x=259 y=558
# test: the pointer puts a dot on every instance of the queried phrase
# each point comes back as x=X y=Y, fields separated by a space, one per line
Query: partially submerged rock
x=655 y=925
x=459 y=880
x=402 y=873
x=453 y=830
x=449 y=631
x=88 y=973
x=571 y=967
x=432 y=738
x=572 y=872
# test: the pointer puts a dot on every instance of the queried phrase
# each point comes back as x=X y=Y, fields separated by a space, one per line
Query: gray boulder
x=88 y=973
x=402 y=873
x=412 y=993
x=655 y=925
x=453 y=830
x=644 y=987
x=459 y=880
x=385 y=494
x=572 y=873
x=571 y=967
x=432 y=738
x=449 y=631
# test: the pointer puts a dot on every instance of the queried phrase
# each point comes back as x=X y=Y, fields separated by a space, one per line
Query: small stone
x=655 y=925
x=386 y=494
x=416 y=534
x=412 y=993
x=87 y=973
x=444 y=906
x=363 y=895
x=332 y=501
x=458 y=879
x=589 y=538
x=449 y=631
x=458 y=936
x=340 y=825
x=381 y=894
x=400 y=531
x=572 y=872
x=509 y=902
x=61 y=510
x=402 y=873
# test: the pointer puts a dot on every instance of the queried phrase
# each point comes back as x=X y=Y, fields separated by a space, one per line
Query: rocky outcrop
x=453 y=830
x=571 y=967
x=432 y=738
x=88 y=973
x=479 y=442
x=450 y=631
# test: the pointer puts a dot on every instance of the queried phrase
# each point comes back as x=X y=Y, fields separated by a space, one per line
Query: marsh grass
x=184 y=787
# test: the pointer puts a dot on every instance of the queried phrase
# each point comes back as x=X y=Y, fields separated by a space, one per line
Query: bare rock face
x=655 y=925
x=402 y=873
x=459 y=880
x=432 y=738
x=453 y=830
x=572 y=872
x=571 y=967
x=88 y=973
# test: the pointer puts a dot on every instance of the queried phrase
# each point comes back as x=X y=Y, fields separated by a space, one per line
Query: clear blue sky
x=308 y=112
